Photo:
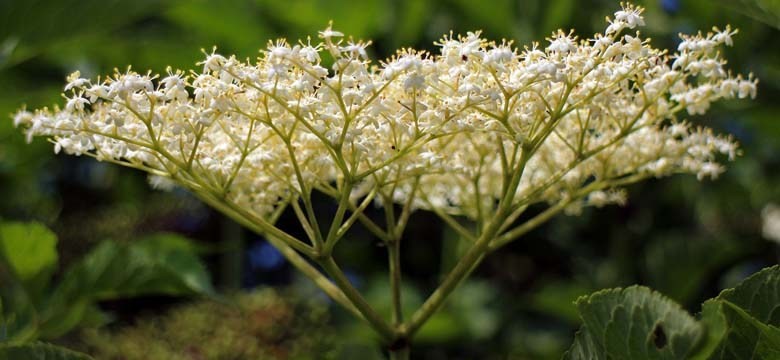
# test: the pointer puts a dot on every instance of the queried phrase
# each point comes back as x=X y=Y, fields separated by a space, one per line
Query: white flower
x=22 y=117
x=562 y=44
x=724 y=36
x=632 y=17
x=628 y=17
x=580 y=113
x=75 y=81
x=746 y=88
x=76 y=103
x=330 y=33
x=213 y=62
x=358 y=50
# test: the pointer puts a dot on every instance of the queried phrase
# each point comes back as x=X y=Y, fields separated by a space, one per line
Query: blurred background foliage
x=684 y=238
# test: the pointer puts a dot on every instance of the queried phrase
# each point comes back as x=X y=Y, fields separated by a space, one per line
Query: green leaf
x=30 y=249
x=634 y=323
x=742 y=322
x=742 y=337
x=170 y=242
x=161 y=265
x=113 y=270
x=758 y=295
x=39 y=351
x=18 y=318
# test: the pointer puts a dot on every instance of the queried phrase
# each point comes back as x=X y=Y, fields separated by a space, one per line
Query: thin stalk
x=461 y=270
x=394 y=259
x=290 y=254
x=375 y=320
x=338 y=218
x=470 y=259
x=356 y=213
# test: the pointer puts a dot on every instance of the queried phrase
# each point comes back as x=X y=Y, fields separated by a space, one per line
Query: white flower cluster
x=459 y=132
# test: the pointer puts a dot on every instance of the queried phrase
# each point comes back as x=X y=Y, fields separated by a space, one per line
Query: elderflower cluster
x=571 y=121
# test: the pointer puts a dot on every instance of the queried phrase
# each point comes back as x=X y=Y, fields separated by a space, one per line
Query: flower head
x=473 y=128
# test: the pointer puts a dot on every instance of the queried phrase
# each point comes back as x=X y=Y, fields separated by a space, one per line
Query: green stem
x=461 y=270
x=289 y=253
x=338 y=218
x=394 y=259
x=341 y=281
x=471 y=258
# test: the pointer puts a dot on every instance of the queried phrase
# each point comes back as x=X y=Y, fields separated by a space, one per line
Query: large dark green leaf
x=634 y=323
x=161 y=265
x=737 y=335
x=17 y=314
x=758 y=295
x=139 y=268
x=742 y=322
x=39 y=351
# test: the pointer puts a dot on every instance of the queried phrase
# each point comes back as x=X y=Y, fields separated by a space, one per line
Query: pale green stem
x=394 y=260
x=356 y=213
x=338 y=218
x=377 y=323
x=289 y=253
x=461 y=270
x=551 y=211
x=470 y=259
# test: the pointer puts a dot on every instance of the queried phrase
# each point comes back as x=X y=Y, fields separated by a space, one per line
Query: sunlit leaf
x=31 y=251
